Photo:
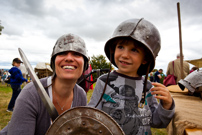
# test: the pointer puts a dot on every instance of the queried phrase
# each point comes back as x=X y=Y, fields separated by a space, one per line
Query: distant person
x=4 y=76
x=151 y=77
x=7 y=75
x=157 y=75
x=1 y=73
x=16 y=80
x=88 y=85
x=193 y=69
x=177 y=68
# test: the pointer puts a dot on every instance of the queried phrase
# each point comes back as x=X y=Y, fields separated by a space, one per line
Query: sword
x=40 y=89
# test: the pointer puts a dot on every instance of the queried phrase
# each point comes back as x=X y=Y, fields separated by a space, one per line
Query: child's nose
x=125 y=53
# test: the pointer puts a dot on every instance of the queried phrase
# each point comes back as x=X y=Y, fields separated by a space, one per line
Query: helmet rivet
x=100 y=131
x=147 y=37
x=120 y=30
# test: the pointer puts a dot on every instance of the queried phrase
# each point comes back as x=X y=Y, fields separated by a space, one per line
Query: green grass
x=5 y=95
x=159 y=131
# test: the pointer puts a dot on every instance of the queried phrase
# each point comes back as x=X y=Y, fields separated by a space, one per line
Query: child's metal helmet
x=142 y=31
x=69 y=42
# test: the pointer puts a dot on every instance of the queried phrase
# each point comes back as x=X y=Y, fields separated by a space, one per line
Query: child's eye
x=120 y=46
x=135 y=50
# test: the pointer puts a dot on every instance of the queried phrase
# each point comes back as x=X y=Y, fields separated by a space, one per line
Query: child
x=133 y=49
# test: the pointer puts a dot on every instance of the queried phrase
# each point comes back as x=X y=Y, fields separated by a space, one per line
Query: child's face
x=16 y=64
x=128 y=58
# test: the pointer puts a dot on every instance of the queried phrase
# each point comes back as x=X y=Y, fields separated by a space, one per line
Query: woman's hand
x=163 y=94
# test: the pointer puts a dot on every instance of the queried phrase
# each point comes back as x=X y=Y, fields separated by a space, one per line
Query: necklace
x=58 y=102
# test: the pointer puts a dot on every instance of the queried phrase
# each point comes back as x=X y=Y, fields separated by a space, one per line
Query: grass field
x=5 y=95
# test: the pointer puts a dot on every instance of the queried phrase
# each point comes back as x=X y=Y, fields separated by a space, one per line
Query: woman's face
x=69 y=65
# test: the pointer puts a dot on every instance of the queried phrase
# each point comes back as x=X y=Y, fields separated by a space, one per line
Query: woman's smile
x=69 y=67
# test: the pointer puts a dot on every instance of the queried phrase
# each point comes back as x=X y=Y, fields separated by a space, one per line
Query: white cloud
x=34 y=26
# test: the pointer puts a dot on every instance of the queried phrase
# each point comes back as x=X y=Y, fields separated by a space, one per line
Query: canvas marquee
x=43 y=69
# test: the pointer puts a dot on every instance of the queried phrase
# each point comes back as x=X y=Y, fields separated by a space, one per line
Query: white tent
x=196 y=62
x=43 y=69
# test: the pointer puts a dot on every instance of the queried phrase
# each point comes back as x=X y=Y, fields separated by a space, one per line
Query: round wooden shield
x=84 y=121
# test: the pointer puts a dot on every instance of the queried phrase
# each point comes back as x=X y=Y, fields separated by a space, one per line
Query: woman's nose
x=69 y=56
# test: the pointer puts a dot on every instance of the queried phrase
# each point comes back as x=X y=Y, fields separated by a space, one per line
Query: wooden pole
x=180 y=39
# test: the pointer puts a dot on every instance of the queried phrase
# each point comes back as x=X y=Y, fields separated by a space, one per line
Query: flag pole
x=180 y=39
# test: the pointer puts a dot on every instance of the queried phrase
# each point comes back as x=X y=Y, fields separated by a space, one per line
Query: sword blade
x=40 y=89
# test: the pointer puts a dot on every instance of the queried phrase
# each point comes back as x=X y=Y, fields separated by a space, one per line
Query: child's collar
x=125 y=76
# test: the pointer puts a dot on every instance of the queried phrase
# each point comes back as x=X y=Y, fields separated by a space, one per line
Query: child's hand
x=162 y=93
x=28 y=81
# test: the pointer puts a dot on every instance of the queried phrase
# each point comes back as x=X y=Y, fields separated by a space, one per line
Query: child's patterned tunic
x=121 y=100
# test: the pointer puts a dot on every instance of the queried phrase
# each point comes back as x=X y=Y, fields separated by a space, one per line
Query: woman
x=68 y=61
x=16 y=80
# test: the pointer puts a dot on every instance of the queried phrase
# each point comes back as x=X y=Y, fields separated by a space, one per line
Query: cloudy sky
x=35 y=25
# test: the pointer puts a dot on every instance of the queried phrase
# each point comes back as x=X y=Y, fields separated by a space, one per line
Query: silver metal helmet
x=69 y=42
x=193 y=82
x=141 y=31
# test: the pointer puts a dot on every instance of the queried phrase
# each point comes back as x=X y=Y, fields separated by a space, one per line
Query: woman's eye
x=77 y=54
x=62 y=53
